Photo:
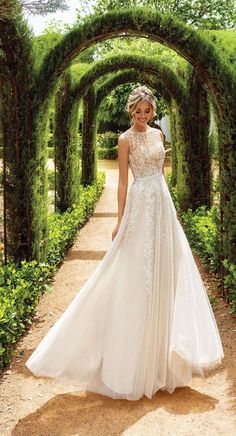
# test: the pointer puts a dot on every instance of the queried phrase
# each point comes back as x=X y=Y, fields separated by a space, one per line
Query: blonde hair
x=137 y=96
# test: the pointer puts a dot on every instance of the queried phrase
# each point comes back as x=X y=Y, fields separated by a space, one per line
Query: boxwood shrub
x=22 y=285
x=107 y=140
x=107 y=153
x=20 y=290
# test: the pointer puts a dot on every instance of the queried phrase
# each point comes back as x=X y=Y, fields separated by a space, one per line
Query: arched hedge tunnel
x=66 y=137
x=170 y=86
x=200 y=181
x=28 y=100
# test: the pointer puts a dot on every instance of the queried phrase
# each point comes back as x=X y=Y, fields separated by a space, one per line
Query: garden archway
x=170 y=86
x=190 y=45
x=141 y=22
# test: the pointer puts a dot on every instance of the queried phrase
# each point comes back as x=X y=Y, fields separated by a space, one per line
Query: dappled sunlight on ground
x=31 y=406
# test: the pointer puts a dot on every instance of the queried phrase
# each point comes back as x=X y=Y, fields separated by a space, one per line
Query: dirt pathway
x=32 y=406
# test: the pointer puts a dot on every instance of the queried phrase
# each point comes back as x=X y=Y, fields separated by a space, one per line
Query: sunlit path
x=31 y=406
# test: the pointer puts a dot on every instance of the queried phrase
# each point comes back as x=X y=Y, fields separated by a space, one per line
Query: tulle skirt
x=143 y=321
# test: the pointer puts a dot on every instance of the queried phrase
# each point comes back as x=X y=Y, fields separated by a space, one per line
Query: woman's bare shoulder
x=123 y=138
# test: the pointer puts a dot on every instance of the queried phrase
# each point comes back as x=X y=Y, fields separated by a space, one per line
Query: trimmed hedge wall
x=107 y=140
x=22 y=285
x=107 y=153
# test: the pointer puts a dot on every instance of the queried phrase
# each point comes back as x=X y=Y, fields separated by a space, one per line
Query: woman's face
x=143 y=114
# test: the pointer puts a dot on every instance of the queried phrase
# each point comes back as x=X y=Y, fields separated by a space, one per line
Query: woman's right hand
x=115 y=231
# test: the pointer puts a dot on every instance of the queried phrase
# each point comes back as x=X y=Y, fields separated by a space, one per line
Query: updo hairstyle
x=137 y=96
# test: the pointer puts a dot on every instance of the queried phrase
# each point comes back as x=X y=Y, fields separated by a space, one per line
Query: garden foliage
x=21 y=285
x=27 y=92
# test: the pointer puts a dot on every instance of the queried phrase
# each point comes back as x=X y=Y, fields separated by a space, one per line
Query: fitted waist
x=144 y=178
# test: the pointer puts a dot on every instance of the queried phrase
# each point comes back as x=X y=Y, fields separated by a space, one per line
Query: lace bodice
x=147 y=153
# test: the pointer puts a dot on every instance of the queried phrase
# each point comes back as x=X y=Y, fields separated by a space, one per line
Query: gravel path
x=31 y=406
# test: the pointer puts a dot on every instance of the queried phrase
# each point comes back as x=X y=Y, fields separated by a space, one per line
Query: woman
x=143 y=320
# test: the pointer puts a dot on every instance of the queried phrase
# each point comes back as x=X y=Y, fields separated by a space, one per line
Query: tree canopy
x=43 y=7
x=8 y=8
x=36 y=7
x=208 y=14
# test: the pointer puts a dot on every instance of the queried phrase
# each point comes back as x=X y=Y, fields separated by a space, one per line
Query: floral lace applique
x=146 y=159
x=151 y=219
x=145 y=200
x=147 y=153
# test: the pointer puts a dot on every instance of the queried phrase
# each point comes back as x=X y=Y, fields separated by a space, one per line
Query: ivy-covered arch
x=169 y=83
x=200 y=179
x=132 y=75
x=127 y=76
x=66 y=156
x=189 y=44
x=141 y=22
x=89 y=123
x=66 y=125
x=141 y=63
x=170 y=86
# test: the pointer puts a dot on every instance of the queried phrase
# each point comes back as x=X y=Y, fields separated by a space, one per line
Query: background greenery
x=39 y=77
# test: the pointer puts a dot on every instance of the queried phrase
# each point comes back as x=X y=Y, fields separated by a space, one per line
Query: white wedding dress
x=143 y=321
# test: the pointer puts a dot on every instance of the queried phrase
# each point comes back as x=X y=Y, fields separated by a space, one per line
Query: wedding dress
x=143 y=320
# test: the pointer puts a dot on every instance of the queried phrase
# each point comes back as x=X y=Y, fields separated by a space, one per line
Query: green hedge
x=20 y=290
x=201 y=231
x=51 y=153
x=63 y=226
x=230 y=284
x=27 y=94
x=22 y=285
x=107 y=153
x=107 y=140
x=107 y=145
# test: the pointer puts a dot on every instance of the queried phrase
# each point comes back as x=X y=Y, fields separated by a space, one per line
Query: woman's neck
x=141 y=129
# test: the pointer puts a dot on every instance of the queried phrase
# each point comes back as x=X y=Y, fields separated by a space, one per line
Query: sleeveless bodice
x=147 y=153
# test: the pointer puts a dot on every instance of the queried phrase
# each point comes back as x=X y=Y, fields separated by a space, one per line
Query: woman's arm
x=123 y=157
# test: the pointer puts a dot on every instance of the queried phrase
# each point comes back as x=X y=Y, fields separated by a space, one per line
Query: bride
x=142 y=321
